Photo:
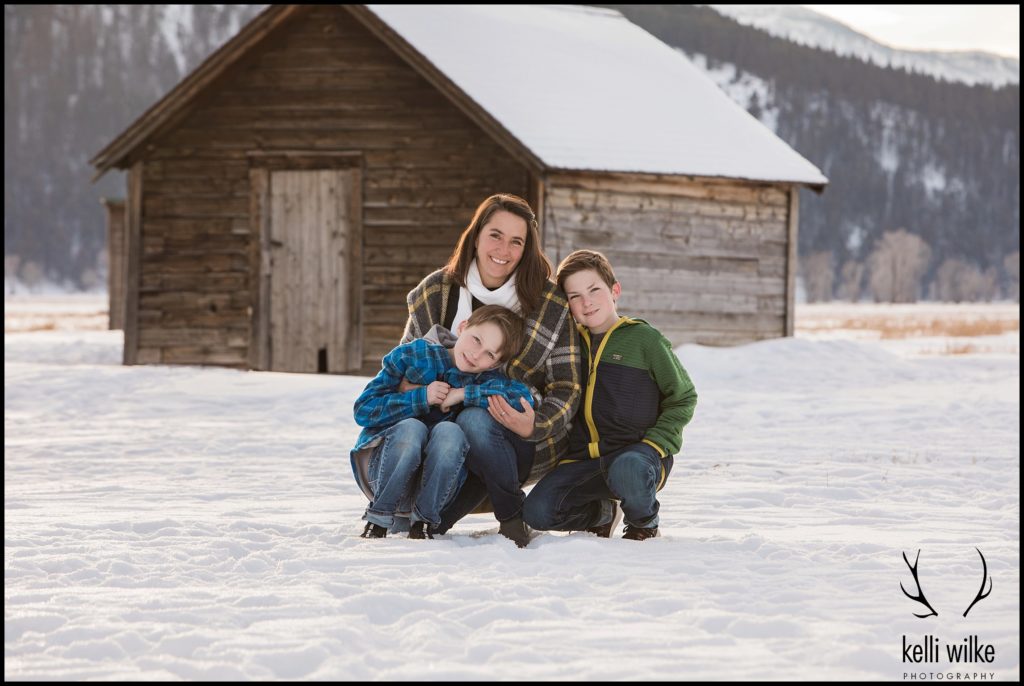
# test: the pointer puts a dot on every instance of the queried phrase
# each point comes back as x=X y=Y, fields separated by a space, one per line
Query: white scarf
x=505 y=295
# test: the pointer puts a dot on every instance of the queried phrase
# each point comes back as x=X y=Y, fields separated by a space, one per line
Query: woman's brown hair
x=534 y=269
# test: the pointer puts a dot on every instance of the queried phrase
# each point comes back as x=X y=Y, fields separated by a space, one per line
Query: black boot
x=605 y=530
x=515 y=530
x=420 y=530
x=373 y=531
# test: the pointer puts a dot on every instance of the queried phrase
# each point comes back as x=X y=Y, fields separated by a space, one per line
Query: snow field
x=202 y=523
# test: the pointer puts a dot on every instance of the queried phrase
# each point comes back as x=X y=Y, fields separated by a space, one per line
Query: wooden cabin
x=288 y=193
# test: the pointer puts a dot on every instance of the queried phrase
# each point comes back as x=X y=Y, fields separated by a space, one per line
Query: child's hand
x=437 y=391
x=405 y=386
x=455 y=396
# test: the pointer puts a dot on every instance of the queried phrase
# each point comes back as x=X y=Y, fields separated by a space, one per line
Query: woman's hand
x=519 y=423
x=405 y=386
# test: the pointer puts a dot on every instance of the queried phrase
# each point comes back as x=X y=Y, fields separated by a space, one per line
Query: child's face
x=591 y=301
x=476 y=349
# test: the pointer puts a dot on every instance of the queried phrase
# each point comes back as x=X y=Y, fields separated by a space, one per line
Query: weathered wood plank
x=234 y=261
x=117 y=265
x=388 y=315
x=329 y=58
x=353 y=263
x=133 y=274
x=204 y=355
x=181 y=336
x=668 y=320
x=719 y=303
x=280 y=270
x=212 y=282
x=259 y=266
x=188 y=169
x=652 y=185
x=190 y=206
x=199 y=186
x=309 y=214
x=285 y=80
x=417 y=258
x=791 y=260
x=149 y=356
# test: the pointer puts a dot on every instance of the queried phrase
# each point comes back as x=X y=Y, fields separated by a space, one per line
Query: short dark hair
x=510 y=323
x=581 y=260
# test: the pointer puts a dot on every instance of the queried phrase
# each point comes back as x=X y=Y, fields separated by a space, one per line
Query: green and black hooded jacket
x=634 y=389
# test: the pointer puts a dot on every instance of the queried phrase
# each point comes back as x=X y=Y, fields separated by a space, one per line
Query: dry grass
x=45 y=326
x=948 y=327
x=22 y=322
x=910 y=322
x=943 y=328
x=963 y=349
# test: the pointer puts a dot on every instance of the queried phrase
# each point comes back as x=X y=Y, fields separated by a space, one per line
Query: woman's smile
x=499 y=247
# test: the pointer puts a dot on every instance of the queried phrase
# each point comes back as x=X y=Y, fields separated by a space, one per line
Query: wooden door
x=309 y=243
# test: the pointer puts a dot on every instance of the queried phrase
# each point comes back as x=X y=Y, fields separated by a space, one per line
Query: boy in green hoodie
x=636 y=400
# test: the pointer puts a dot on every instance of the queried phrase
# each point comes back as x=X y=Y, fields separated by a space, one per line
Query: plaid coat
x=549 y=362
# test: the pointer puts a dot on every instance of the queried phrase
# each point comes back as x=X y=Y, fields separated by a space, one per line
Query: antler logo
x=920 y=592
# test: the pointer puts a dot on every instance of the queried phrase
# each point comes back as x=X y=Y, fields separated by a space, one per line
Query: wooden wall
x=703 y=260
x=319 y=83
x=116 y=265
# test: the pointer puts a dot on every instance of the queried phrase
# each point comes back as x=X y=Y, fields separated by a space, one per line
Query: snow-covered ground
x=202 y=523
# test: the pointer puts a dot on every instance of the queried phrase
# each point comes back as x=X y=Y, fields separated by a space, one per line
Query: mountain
x=75 y=76
x=810 y=28
x=902 y=150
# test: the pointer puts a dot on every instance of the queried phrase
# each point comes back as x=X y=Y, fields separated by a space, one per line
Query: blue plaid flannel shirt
x=381 y=405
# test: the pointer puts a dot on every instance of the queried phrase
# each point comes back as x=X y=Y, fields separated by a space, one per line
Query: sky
x=990 y=28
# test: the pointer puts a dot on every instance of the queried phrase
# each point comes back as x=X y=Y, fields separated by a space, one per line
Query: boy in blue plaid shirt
x=409 y=433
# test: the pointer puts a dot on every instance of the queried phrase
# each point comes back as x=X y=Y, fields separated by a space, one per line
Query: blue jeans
x=576 y=495
x=410 y=450
x=498 y=463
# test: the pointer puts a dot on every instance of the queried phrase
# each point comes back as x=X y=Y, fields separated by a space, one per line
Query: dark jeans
x=576 y=496
x=498 y=461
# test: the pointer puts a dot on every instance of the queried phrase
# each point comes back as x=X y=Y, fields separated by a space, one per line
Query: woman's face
x=499 y=247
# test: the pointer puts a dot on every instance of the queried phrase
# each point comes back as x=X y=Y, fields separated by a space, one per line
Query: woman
x=498 y=261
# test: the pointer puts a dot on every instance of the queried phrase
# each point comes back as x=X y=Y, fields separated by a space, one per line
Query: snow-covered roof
x=583 y=88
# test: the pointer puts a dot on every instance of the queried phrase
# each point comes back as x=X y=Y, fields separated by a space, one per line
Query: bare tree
x=959 y=281
x=818 y=276
x=984 y=285
x=11 y=263
x=31 y=275
x=897 y=264
x=1011 y=263
x=851 y=278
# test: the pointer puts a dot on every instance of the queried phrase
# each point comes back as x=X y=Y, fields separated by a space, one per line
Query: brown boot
x=635 y=533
